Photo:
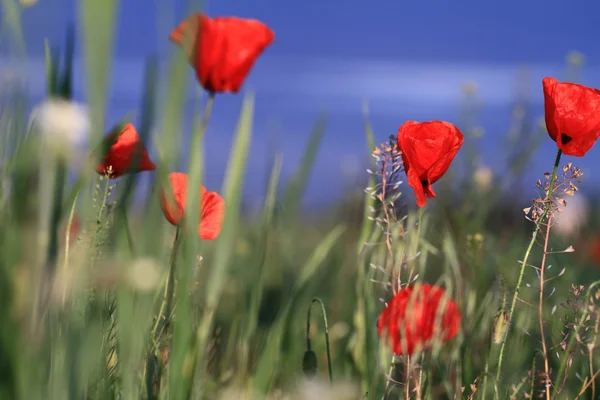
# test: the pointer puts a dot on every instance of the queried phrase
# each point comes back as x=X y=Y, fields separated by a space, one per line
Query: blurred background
x=476 y=64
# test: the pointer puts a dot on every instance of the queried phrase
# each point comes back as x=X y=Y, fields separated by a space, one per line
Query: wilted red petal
x=212 y=207
x=225 y=49
x=126 y=149
x=416 y=317
x=428 y=149
x=572 y=114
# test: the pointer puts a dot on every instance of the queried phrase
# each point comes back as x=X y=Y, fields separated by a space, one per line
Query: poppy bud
x=309 y=364
x=500 y=327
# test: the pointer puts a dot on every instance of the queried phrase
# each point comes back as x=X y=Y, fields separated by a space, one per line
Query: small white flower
x=573 y=215
x=315 y=389
x=144 y=274
x=483 y=178
x=64 y=125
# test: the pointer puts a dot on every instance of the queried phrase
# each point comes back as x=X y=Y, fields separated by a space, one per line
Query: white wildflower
x=483 y=178
x=64 y=125
x=573 y=215
x=315 y=389
x=144 y=274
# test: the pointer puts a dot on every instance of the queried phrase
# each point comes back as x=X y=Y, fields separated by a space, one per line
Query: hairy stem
x=525 y=259
x=572 y=338
x=541 y=310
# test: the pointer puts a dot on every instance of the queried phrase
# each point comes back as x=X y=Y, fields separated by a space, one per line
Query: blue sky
x=409 y=60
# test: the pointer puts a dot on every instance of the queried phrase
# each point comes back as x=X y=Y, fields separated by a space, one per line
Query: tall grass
x=82 y=317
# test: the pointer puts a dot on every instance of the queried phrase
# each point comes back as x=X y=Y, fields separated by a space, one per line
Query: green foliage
x=83 y=319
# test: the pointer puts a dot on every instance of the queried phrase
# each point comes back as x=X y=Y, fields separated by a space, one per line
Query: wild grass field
x=463 y=295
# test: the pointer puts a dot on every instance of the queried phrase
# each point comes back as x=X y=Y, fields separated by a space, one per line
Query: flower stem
x=317 y=300
x=166 y=306
x=573 y=337
x=540 y=310
x=526 y=257
x=412 y=264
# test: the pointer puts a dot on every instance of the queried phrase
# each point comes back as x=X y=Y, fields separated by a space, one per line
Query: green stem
x=573 y=337
x=419 y=222
x=67 y=244
x=317 y=300
x=525 y=258
x=165 y=308
x=128 y=235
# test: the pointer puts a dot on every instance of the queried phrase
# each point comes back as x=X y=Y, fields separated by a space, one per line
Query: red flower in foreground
x=212 y=206
x=572 y=115
x=418 y=316
x=74 y=231
x=126 y=148
x=427 y=148
x=222 y=50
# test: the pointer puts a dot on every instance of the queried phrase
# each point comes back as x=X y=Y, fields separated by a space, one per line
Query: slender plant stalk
x=573 y=336
x=410 y=277
x=166 y=306
x=407 y=384
x=317 y=300
x=67 y=243
x=419 y=223
x=525 y=259
x=541 y=309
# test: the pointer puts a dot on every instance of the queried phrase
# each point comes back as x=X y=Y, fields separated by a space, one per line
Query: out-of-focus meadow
x=85 y=261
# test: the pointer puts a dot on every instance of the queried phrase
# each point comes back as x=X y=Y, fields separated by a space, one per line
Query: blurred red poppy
x=222 y=50
x=74 y=231
x=427 y=149
x=212 y=206
x=594 y=249
x=123 y=152
x=572 y=115
x=417 y=317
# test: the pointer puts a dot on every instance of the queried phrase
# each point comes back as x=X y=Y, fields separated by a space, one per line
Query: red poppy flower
x=572 y=115
x=418 y=316
x=427 y=149
x=212 y=206
x=123 y=152
x=222 y=50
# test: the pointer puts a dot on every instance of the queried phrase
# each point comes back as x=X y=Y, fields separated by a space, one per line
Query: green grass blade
x=296 y=187
x=232 y=193
x=367 y=224
x=268 y=363
x=98 y=20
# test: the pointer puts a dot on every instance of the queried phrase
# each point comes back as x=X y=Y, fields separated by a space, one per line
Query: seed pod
x=500 y=327
x=309 y=364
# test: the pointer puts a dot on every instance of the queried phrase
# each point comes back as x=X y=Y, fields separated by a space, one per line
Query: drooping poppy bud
x=572 y=115
x=222 y=50
x=428 y=149
x=309 y=364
